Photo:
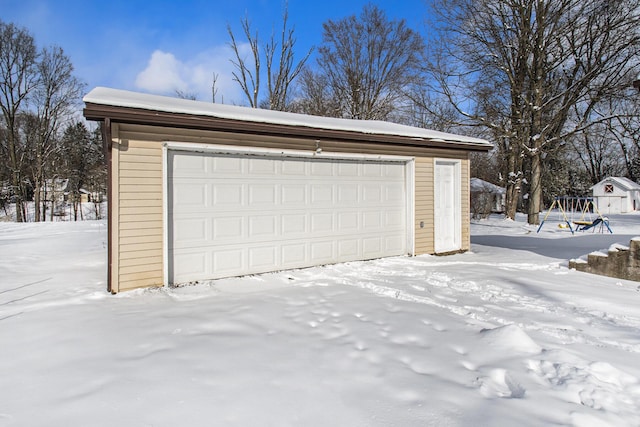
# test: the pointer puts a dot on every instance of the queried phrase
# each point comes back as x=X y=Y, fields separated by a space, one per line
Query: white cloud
x=165 y=73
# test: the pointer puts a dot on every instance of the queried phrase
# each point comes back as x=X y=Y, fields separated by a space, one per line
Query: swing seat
x=585 y=225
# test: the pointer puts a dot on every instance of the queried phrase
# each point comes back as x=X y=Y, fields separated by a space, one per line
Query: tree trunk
x=514 y=182
x=15 y=176
x=511 y=203
x=535 y=192
x=38 y=215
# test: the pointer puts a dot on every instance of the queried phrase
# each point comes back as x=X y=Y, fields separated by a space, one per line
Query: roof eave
x=118 y=114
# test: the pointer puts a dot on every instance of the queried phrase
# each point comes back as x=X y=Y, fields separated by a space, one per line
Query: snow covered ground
x=494 y=337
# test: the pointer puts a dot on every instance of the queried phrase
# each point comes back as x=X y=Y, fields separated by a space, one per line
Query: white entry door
x=447 y=233
x=233 y=215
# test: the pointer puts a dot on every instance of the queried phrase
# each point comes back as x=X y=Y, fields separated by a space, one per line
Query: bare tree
x=214 y=89
x=316 y=97
x=55 y=99
x=280 y=77
x=624 y=129
x=38 y=95
x=83 y=165
x=18 y=78
x=186 y=95
x=281 y=71
x=247 y=77
x=610 y=146
x=595 y=150
x=532 y=71
x=369 y=62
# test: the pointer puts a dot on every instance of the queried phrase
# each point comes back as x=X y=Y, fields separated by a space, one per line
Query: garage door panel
x=235 y=215
x=394 y=220
x=322 y=169
x=372 y=193
x=321 y=223
x=229 y=228
x=261 y=166
x=262 y=194
x=190 y=265
x=393 y=243
x=190 y=231
x=373 y=170
x=293 y=167
x=226 y=165
x=348 y=169
x=349 y=249
x=261 y=257
x=189 y=164
x=227 y=261
x=293 y=225
x=293 y=254
x=372 y=247
x=226 y=194
x=294 y=195
x=321 y=194
x=322 y=251
x=390 y=171
x=263 y=226
x=190 y=194
x=394 y=192
x=371 y=221
x=348 y=221
x=348 y=194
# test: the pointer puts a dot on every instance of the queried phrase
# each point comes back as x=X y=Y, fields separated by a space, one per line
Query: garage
x=200 y=191
x=236 y=214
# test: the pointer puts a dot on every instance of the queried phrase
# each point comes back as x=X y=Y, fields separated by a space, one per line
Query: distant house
x=55 y=190
x=87 y=196
x=5 y=190
x=486 y=197
x=616 y=194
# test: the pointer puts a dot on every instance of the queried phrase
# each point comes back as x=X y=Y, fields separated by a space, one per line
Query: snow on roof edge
x=123 y=98
x=621 y=181
x=479 y=185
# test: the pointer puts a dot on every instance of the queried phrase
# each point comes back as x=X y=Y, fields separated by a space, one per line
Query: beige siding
x=139 y=212
x=424 y=205
x=465 y=204
x=137 y=239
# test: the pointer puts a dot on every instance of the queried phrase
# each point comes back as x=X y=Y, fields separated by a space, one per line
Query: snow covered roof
x=622 y=182
x=134 y=100
x=482 y=186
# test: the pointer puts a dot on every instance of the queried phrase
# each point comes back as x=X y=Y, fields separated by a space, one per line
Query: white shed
x=616 y=194
x=487 y=196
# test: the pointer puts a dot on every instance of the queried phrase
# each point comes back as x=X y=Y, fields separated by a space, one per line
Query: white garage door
x=240 y=214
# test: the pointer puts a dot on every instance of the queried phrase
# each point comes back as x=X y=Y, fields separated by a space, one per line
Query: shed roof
x=481 y=186
x=621 y=182
x=134 y=107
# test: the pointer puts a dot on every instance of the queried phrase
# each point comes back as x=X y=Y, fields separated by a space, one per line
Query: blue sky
x=159 y=46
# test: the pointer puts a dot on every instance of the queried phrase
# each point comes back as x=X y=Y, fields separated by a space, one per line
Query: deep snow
x=495 y=337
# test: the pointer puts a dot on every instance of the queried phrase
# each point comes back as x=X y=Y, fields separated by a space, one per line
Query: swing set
x=586 y=206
